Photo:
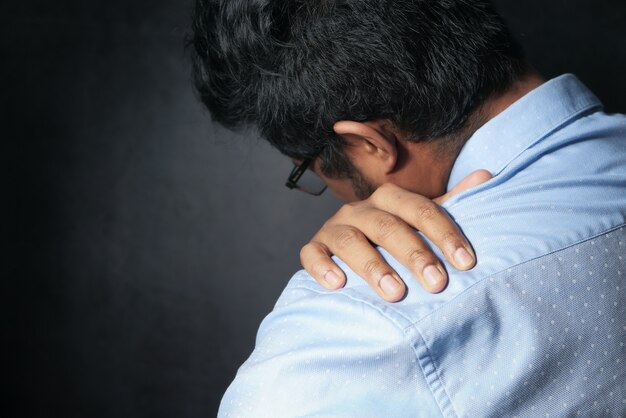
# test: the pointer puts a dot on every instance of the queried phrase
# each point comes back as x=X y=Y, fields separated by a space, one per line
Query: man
x=385 y=100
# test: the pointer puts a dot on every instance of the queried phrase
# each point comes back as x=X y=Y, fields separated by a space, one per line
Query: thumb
x=474 y=179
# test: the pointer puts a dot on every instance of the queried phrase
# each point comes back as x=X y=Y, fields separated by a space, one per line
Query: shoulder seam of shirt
x=606 y=231
x=443 y=404
x=433 y=379
x=307 y=284
x=435 y=383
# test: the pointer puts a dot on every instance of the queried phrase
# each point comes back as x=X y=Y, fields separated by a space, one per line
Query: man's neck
x=520 y=88
x=424 y=167
x=489 y=110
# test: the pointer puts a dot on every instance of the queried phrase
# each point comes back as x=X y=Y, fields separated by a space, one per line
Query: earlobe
x=370 y=143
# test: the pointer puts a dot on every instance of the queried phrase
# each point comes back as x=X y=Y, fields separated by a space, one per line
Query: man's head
x=354 y=83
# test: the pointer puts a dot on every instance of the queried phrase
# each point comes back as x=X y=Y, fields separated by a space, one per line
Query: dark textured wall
x=147 y=243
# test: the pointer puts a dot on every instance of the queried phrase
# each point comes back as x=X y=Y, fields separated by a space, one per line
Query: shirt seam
x=444 y=401
x=415 y=325
x=307 y=284
x=442 y=404
x=436 y=384
x=556 y=250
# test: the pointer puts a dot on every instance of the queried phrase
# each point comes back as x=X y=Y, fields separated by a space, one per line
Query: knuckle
x=314 y=264
x=317 y=271
x=417 y=256
x=385 y=226
x=451 y=239
x=372 y=266
x=427 y=212
x=345 y=237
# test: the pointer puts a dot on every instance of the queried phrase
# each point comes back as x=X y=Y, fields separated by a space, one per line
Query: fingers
x=401 y=241
x=316 y=259
x=353 y=247
x=433 y=221
x=474 y=179
x=388 y=218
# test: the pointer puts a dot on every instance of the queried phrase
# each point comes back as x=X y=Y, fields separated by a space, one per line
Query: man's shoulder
x=549 y=326
x=322 y=353
x=304 y=293
x=565 y=189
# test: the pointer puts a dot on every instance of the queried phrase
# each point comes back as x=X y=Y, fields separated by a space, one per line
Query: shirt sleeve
x=329 y=354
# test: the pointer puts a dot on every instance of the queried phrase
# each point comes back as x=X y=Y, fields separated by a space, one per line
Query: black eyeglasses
x=305 y=180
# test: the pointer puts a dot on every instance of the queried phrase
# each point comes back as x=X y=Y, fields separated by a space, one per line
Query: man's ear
x=372 y=147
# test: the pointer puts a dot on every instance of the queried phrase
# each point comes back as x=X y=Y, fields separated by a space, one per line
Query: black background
x=147 y=243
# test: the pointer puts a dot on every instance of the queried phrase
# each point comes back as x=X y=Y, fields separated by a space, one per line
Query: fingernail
x=432 y=275
x=332 y=278
x=463 y=258
x=389 y=285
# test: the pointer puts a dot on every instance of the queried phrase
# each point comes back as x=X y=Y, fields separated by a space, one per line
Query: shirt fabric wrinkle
x=537 y=328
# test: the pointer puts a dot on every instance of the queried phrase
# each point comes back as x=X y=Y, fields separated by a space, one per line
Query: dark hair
x=292 y=68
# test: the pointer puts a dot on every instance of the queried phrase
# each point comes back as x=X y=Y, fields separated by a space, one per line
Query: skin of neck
x=420 y=167
x=433 y=162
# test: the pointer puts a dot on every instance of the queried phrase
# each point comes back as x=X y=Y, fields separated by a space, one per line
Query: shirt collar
x=524 y=123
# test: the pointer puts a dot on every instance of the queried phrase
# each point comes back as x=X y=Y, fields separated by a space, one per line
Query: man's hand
x=389 y=218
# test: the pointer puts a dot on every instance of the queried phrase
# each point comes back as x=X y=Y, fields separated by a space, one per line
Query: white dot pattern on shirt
x=294 y=350
x=563 y=314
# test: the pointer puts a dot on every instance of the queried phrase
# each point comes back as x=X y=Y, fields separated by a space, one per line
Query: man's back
x=537 y=328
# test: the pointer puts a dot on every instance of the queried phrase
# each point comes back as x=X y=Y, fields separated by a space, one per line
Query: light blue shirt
x=536 y=329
